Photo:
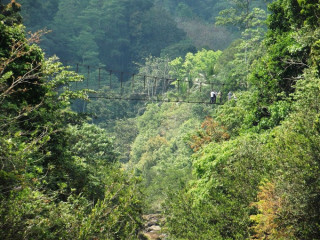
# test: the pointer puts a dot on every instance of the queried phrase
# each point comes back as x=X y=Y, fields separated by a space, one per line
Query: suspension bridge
x=120 y=85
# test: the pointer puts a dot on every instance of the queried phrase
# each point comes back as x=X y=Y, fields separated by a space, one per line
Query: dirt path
x=152 y=227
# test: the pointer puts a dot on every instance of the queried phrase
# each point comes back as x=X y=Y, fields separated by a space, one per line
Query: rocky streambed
x=152 y=227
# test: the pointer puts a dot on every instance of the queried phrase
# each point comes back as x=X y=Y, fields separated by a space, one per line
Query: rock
x=154 y=228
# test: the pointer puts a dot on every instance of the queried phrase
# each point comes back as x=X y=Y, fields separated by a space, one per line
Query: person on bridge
x=213 y=96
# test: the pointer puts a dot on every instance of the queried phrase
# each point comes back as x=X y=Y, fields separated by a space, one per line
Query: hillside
x=199 y=116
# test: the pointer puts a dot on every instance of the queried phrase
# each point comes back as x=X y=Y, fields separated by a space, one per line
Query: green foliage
x=10 y=13
x=274 y=135
x=125 y=132
x=160 y=152
x=105 y=112
x=242 y=53
x=57 y=173
x=179 y=49
x=241 y=14
x=109 y=33
x=29 y=213
x=309 y=10
x=290 y=49
x=118 y=215
x=93 y=153
x=226 y=182
x=186 y=221
x=228 y=176
x=198 y=65
x=38 y=14
x=194 y=74
x=255 y=170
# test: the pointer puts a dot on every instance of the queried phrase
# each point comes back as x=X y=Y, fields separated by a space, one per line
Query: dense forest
x=106 y=118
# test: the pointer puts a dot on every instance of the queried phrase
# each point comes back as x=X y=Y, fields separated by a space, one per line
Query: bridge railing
x=112 y=84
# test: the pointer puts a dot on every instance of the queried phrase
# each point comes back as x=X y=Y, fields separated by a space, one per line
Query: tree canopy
x=77 y=164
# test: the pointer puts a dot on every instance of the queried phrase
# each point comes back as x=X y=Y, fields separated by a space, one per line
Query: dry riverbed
x=152 y=227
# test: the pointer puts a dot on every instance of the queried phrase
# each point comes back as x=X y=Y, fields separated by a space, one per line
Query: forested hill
x=74 y=165
x=117 y=34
